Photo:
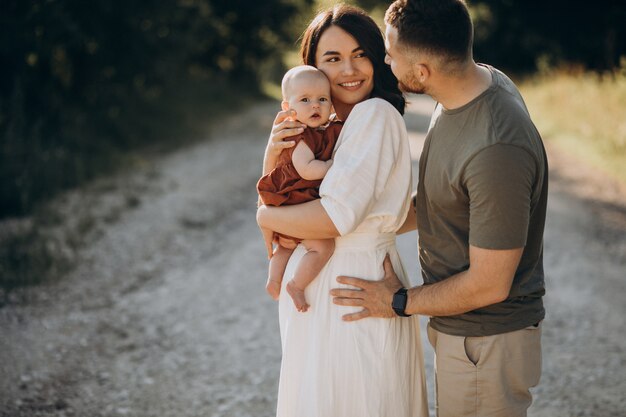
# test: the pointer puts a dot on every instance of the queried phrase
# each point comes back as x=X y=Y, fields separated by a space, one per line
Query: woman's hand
x=285 y=126
x=268 y=234
x=268 y=237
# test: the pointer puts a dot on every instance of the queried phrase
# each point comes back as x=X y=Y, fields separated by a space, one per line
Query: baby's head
x=307 y=91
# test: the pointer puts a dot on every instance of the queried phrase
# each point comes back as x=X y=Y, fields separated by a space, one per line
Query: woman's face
x=350 y=72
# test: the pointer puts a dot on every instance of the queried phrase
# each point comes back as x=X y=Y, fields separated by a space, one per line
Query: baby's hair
x=299 y=72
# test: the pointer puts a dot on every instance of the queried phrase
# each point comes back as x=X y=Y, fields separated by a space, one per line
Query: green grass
x=582 y=113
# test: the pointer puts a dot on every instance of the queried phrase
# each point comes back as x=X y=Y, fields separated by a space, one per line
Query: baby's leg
x=278 y=263
x=318 y=253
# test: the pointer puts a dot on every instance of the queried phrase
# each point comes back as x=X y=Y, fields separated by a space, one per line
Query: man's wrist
x=399 y=302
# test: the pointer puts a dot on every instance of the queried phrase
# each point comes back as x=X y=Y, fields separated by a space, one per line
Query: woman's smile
x=352 y=85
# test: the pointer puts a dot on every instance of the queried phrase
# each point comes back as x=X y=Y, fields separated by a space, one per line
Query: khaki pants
x=486 y=376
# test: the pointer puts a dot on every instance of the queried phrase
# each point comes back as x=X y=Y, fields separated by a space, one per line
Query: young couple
x=351 y=346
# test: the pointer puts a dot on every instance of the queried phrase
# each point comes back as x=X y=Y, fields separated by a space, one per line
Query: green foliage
x=522 y=36
x=83 y=82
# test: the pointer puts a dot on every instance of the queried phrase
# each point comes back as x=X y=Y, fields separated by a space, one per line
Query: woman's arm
x=284 y=127
x=305 y=221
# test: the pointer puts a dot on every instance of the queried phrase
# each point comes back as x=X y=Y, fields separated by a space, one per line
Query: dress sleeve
x=499 y=182
x=363 y=161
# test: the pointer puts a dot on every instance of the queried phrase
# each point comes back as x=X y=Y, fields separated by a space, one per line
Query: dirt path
x=165 y=313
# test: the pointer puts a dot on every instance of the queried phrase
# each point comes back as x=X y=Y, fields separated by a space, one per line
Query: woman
x=331 y=367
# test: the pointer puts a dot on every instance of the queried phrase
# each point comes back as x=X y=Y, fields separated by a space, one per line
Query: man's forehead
x=390 y=35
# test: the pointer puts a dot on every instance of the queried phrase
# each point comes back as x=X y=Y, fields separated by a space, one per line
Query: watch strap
x=399 y=302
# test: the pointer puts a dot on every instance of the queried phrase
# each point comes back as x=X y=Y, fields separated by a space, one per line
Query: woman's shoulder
x=376 y=108
x=374 y=120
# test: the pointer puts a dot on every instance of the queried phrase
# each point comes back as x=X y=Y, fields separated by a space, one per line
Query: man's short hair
x=440 y=28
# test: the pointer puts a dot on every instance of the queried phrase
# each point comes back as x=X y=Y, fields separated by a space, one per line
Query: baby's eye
x=323 y=99
x=304 y=100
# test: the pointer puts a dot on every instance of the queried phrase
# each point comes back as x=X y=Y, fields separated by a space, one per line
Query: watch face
x=399 y=301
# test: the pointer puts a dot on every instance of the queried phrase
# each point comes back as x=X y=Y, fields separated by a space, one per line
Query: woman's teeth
x=352 y=84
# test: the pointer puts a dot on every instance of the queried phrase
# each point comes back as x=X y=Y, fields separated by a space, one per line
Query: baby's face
x=310 y=98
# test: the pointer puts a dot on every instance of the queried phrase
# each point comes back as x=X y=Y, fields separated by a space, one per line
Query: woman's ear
x=284 y=105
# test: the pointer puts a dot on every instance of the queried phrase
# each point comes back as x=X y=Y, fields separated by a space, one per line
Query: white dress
x=372 y=367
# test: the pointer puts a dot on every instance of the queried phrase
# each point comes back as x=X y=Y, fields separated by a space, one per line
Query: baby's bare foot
x=297 y=294
x=273 y=288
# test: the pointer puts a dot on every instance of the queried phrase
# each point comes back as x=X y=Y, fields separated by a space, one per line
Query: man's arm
x=487 y=281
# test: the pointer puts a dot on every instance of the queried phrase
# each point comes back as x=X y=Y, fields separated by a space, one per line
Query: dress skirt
x=330 y=368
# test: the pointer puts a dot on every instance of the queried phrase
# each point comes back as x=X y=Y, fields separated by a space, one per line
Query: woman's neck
x=343 y=110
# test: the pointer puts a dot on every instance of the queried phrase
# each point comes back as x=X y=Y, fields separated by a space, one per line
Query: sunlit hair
x=440 y=28
x=301 y=72
x=368 y=36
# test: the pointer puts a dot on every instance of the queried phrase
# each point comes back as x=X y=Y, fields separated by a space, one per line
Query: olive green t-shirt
x=484 y=182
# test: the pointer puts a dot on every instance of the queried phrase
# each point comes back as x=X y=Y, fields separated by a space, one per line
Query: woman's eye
x=333 y=59
x=361 y=55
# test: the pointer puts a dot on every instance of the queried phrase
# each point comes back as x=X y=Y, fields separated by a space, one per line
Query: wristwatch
x=399 y=302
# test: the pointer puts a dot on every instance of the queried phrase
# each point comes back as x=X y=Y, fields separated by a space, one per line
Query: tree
x=83 y=81
x=522 y=36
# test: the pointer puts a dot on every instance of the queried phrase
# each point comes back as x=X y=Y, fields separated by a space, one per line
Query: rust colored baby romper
x=283 y=185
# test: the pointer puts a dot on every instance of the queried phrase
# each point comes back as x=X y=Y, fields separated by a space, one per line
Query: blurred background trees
x=524 y=36
x=82 y=83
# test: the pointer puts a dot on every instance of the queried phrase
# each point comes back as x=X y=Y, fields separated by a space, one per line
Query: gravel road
x=165 y=314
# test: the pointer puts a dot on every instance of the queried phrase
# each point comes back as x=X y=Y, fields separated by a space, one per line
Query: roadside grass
x=583 y=114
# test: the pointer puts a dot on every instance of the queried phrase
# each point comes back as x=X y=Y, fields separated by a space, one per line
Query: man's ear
x=422 y=72
x=284 y=105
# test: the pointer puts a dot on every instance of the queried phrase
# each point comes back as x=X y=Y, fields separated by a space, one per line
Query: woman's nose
x=348 y=67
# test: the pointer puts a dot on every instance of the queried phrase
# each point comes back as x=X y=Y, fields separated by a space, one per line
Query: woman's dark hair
x=369 y=37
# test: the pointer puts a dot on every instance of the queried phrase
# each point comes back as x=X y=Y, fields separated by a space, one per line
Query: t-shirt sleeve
x=499 y=182
x=362 y=164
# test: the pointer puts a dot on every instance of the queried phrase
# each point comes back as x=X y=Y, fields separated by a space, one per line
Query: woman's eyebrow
x=358 y=48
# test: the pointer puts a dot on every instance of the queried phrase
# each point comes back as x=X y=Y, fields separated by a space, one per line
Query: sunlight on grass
x=583 y=114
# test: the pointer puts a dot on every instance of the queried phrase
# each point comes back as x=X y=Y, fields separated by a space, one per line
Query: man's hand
x=374 y=296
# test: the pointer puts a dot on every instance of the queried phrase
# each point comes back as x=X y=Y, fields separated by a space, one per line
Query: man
x=480 y=212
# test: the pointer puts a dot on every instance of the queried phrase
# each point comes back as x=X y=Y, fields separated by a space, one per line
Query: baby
x=298 y=175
